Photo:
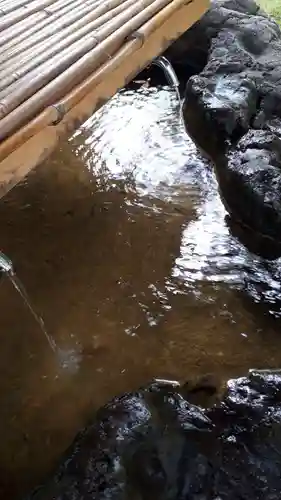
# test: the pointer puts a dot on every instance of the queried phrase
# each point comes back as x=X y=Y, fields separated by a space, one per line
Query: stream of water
x=123 y=245
x=40 y=322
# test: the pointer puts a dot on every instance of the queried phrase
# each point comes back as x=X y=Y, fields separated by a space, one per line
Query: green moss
x=273 y=8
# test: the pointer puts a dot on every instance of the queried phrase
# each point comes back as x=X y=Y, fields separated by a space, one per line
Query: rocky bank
x=157 y=444
x=232 y=106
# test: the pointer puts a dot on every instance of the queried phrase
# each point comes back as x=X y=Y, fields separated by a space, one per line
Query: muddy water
x=121 y=241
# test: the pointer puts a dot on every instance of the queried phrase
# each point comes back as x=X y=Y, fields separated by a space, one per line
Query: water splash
x=70 y=359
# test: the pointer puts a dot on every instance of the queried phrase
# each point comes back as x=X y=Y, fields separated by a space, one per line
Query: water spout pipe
x=163 y=63
x=6 y=265
x=172 y=79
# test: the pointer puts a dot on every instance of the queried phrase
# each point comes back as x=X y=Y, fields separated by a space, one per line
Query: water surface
x=122 y=243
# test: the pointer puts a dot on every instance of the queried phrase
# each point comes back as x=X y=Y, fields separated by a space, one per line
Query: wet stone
x=230 y=102
x=250 y=181
x=156 y=444
x=236 y=92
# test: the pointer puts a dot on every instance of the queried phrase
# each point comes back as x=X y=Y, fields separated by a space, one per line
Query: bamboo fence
x=60 y=60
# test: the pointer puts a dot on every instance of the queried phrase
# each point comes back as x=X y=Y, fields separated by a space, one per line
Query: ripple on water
x=121 y=237
x=151 y=153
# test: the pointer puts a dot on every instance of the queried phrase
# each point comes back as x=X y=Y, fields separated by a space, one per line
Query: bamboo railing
x=60 y=60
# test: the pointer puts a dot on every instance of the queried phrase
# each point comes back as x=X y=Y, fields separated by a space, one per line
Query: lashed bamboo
x=9 y=18
x=48 y=25
x=126 y=47
x=9 y=6
x=20 y=28
x=76 y=62
x=55 y=44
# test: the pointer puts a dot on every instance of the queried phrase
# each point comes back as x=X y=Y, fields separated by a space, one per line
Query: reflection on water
x=121 y=241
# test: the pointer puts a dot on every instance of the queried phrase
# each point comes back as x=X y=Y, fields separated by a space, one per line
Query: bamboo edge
x=37 y=139
x=31 y=96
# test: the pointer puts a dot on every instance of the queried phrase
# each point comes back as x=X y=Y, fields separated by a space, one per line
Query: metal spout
x=172 y=79
x=163 y=63
x=6 y=265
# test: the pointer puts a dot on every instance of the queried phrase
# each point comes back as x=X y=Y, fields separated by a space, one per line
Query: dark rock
x=191 y=49
x=155 y=444
x=250 y=181
x=254 y=242
x=229 y=102
x=232 y=108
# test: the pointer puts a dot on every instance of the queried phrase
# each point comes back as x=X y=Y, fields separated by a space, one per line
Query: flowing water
x=40 y=322
x=122 y=243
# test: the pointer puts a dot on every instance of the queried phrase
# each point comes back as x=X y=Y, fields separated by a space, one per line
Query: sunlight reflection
x=136 y=139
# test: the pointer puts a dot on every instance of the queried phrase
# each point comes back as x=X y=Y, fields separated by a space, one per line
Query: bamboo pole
x=6 y=7
x=111 y=38
x=62 y=58
x=141 y=35
x=48 y=24
x=32 y=144
x=95 y=85
x=35 y=56
x=9 y=19
x=19 y=28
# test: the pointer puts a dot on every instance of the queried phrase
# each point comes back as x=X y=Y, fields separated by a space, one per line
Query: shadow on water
x=123 y=245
